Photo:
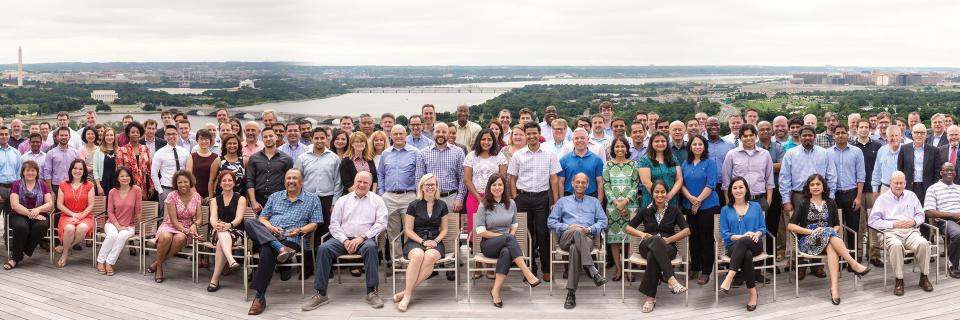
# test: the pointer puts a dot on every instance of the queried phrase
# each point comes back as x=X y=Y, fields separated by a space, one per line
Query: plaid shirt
x=824 y=140
x=447 y=165
x=285 y=214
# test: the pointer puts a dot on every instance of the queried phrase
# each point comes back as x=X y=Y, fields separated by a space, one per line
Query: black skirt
x=410 y=245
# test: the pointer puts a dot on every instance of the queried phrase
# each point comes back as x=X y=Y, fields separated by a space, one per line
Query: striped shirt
x=447 y=165
x=943 y=197
x=285 y=214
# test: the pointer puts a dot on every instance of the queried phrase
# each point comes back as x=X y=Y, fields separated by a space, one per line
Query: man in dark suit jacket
x=933 y=136
x=906 y=163
x=952 y=146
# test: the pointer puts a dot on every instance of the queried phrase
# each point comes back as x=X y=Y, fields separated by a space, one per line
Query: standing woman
x=620 y=176
x=340 y=139
x=425 y=226
x=497 y=129
x=105 y=163
x=123 y=210
x=226 y=226
x=89 y=136
x=172 y=235
x=742 y=226
x=484 y=161
x=359 y=157
x=231 y=158
x=518 y=140
x=204 y=165
x=136 y=156
x=497 y=226
x=31 y=202
x=658 y=243
x=659 y=164
x=75 y=201
x=378 y=141
x=700 y=204
x=817 y=224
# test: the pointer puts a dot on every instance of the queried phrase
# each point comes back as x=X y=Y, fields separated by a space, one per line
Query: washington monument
x=19 y=67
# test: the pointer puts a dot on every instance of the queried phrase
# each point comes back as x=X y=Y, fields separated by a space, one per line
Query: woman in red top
x=136 y=156
x=75 y=201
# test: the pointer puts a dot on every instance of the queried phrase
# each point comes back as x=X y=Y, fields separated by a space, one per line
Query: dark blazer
x=802 y=209
x=157 y=141
x=943 y=140
x=943 y=155
x=348 y=171
x=930 y=158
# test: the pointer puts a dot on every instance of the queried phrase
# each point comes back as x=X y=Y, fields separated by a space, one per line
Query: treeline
x=900 y=102
x=27 y=101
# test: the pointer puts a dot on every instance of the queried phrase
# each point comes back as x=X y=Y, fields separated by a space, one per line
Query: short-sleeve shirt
x=484 y=168
x=533 y=169
x=30 y=199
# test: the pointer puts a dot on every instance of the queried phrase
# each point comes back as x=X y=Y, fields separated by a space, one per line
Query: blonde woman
x=105 y=163
x=378 y=143
x=518 y=140
x=358 y=157
x=425 y=226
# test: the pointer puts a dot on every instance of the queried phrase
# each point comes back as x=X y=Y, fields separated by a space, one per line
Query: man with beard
x=264 y=170
x=534 y=184
x=781 y=127
x=417 y=138
x=826 y=140
x=466 y=130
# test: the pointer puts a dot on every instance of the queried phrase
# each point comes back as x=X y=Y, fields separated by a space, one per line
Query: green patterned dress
x=620 y=181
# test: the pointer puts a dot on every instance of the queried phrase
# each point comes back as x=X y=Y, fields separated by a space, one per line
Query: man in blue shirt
x=397 y=176
x=851 y=175
x=578 y=219
x=10 y=167
x=638 y=140
x=717 y=148
x=581 y=160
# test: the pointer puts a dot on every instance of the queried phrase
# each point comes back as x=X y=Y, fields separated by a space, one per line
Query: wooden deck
x=37 y=290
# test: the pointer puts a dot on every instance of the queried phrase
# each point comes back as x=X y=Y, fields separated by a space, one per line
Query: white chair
x=908 y=254
x=724 y=259
x=51 y=233
x=819 y=260
x=297 y=260
x=636 y=263
x=490 y=264
x=148 y=211
x=149 y=244
x=99 y=212
x=451 y=257
x=560 y=256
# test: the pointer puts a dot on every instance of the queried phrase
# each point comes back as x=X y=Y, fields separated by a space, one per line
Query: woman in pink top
x=123 y=205
x=75 y=201
x=180 y=219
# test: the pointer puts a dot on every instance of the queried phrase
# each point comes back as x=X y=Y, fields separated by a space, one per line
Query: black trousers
x=268 y=256
x=537 y=207
x=26 y=235
x=851 y=217
x=658 y=254
x=774 y=214
x=505 y=248
x=741 y=254
x=702 y=250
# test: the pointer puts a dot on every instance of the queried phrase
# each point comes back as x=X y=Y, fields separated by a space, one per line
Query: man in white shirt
x=166 y=161
x=557 y=142
x=63 y=120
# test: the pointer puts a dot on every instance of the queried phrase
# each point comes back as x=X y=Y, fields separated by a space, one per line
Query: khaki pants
x=896 y=241
x=396 y=208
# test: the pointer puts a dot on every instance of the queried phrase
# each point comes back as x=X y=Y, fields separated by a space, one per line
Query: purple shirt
x=889 y=208
x=755 y=166
x=354 y=216
x=56 y=166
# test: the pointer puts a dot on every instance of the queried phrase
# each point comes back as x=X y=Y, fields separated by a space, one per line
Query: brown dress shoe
x=819 y=273
x=257 y=307
x=898 y=288
x=801 y=273
x=925 y=283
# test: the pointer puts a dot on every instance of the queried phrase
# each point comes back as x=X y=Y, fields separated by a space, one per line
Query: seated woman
x=425 y=226
x=75 y=201
x=123 y=205
x=226 y=226
x=658 y=243
x=496 y=222
x=742 y=226
x=31 y=201
x=180 y=219
x=816 y=224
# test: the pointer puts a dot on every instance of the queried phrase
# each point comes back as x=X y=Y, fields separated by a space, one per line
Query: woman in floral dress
x=620 y=176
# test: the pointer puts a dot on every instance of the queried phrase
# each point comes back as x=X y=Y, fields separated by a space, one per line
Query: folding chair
x=297 y=260
x=908 y=254
x=723 y=258
x=819 y=260
x=149 y=244
x=634 y=262
x=598 y=252
x=450 y=241
x=148 y=210
x=476 y=255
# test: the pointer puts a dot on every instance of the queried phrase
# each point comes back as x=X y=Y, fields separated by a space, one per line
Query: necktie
x=953 y=154
x=176 y=157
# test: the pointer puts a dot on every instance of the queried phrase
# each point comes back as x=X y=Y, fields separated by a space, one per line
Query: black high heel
x=532 y=285
x=862 y=273
x=754 y=307
x=496 y=304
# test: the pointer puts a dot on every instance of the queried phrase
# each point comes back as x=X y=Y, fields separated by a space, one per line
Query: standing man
x=505 y=119
x=63 y=121
x=558 y=143
x=269 y=118
x=917 y=161
x=577 y=220
x=306 y=131
x=826 y=140
x=678 y=146
x=91 y=117
x=619 y=126
x=320 y=168
x=606 y=111
x=799 y=164
x=222 y=116
x=397 y=173
x=346 y=124
x=851 y=176
x=652 y=118
x=752 y=116
x=766 y=142
x=417 y=138
x=693 y=129
x=250 y=144
x=387 y=120
x=869 y=148
x=9 y=168
x=950 y=151
x=466 y=130
x=265 y=169
x=734 y=122
x=937 y=138
x=913 y=118
x=718 y=149
x=638 y=140
x=366 y=124
x=534 y=182
x=898 y=214
x=794 y=126
x=184 y=139
x=581 y=160
x=883 y=121
x=599 y=135
x=34 y=153
x=150 y=137
x=16 y=133
x=429 y=114
x=166 y=161
x=546 y=126
x=756 y=166
x=293 y=147
x=526 y=116
x=781 y=127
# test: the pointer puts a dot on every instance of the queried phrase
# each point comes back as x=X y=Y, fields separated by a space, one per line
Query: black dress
x=226 y=213
x=427 y=227
x=109 y=172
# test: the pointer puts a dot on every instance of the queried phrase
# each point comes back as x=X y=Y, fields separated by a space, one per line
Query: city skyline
x=612 y=33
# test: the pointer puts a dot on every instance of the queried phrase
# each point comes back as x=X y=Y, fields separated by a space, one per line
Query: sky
x=879 y=33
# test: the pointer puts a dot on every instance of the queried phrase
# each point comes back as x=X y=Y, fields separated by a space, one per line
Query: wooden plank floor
x=37 y=290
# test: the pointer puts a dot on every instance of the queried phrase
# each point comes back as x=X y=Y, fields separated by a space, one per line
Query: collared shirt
x=678 y=153
x=717 y=150
x=9 y=164
x=869 y=150
x=75 y=141
x=533 y=169
x=943 y=197
x=600 y=140
x=884 y=167
x=559 y=149
x=447 y=165
x=755 y=166
x=889 y=208
x=163 y=166
x=265 y=174
x=697 y=177
x=15 y=142
x=420 y=143
x=355 y=216
x=321 y=174
x=187 y=144
x=397 y=170
x=824 y=140
x=790 y=145
x=586 y=212
x=917 y=163
x=638 y=152
x=850 y=167
x=294 y=151
x=546 y=131
x=775 y=148
x=25 y=147
x=56 y=165
x=285 y=214
x=732 y=138
x=38 y=157
x=934 y=139
x=467 y=133
x=573 y=164
x=799 y=164
x=249 y=149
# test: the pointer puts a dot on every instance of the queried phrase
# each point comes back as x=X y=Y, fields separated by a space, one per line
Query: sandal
x=101 y=269
x=234 y=267
x=10 y=264
x=151 y=269
x=678 y=289
x=491 y=275
x=60 y=262
x=109 y=270
x=648 y=306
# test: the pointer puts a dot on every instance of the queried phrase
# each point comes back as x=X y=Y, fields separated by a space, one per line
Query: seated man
x=898 y=214
x=577 y=219
x=357 y=218
x=943 y=202
x=287 y=216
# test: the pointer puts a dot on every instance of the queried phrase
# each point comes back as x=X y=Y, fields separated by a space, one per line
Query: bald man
x=577 y=220
x=899 y=215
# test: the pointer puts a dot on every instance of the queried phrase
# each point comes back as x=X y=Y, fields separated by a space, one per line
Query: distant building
x=107 y=96
x=811 y=78
x=881 y=79
x=247 y=83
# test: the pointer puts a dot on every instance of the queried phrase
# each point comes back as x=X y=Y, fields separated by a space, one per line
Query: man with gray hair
x=899 y=215
x=950 y=152
x=936 y=137
x=918 y=162
x=396 y=173
x=853 y=121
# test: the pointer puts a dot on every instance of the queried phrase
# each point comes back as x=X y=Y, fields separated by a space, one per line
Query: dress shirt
x=559 y=149
x=600 y=140
x=732 y=139
x=889 y=208
x=546 y=131
x=697 y=177
x=717 y=150
x=918 y=164
x=467 y=133
x=163 y=166
x=637 y=152
x=294 y=152
x=75 y=141
x=824 y=140
x=355 y=216
x=265 y=174
x=56 y=165
x=585 y=211
x=884 y=167
x=321 y=174
x=850 y=167
x=38 y=157
x=15 y=142
x=800 y=163
x=775 y=148
x=285 y=214
x=397 y=170
x=25 y=147
x=755 y=166
x=249 y=150
x=187 y=144
x=420 y=143
x=447 y=165
x=573 y=164
x=9 y=164
x=533 y=169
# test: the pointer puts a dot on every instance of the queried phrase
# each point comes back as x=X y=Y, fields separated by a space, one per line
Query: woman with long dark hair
x=123 y=210
x=621 y=177
x=700 y=204
x=75 y=201
x=659 y=164
x=742 y=227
